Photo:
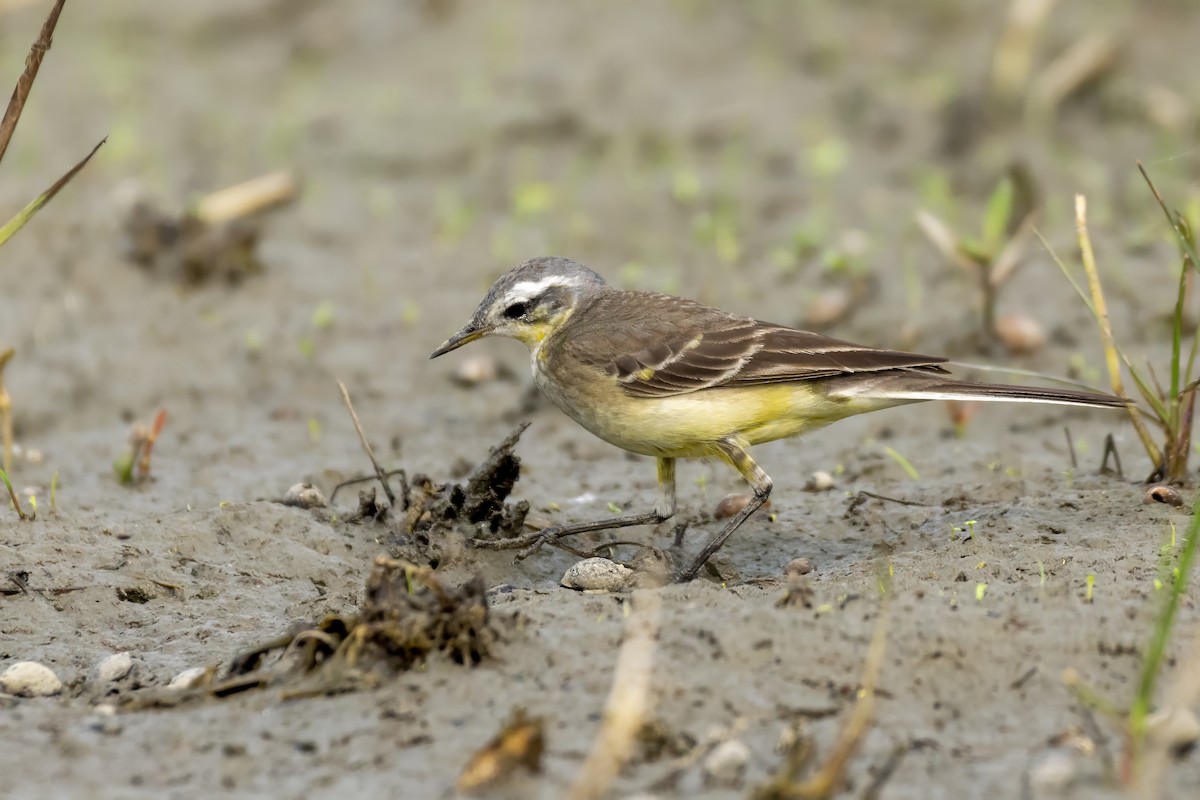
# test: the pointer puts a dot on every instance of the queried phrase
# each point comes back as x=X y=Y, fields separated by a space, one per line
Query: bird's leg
x=664 y=509
x=734 y=454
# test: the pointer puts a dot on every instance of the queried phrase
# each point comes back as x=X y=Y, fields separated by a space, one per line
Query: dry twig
x=362 y=437
x=628 y=702
x=33 y=61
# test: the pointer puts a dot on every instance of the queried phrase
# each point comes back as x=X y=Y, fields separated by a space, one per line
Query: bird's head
x=528 y=303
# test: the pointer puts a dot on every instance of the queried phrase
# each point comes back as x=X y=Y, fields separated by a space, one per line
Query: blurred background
x=847 y=166
x=877 y=170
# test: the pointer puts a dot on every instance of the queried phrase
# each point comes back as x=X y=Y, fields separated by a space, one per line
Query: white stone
x=727 y=762
x=30 y=679
x=304 y=495
x=1055 y=772
x=598 y=574
x=115 y=667
x=476 y=370
x=187 y=679
x=820 y=481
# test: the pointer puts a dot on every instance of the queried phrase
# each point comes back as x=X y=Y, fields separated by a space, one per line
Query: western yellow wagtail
x=672 y=378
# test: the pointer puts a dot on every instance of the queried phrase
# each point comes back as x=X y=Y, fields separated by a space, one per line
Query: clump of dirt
x=434 y=511
x=407 y=616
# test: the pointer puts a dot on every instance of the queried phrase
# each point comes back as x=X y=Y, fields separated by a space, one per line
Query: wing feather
x=657 y=345
x=706 y=348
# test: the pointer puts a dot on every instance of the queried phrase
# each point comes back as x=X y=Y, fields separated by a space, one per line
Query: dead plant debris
x=432 y=508
x=518 y=744
x=133 y=466
x=215 y=241
x=408 y=615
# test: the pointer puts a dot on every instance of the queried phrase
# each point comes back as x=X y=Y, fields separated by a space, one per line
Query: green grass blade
x=995 y=220
x=12 y=494
x=1079 y=290
x=1161 y=637
x=24 y=215
x=1147 y=391
x=908 y=468
x=1178 y=225
x=1177 y=331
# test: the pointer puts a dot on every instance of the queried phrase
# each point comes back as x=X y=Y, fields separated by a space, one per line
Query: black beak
x=468 y=334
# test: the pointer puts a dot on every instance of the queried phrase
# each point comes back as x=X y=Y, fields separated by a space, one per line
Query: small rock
x=1162 y=493
x=732 y=504
x=476 y=370
x=828 y=308
x=797 y=567
x=114 y=667
x=304 y=495
x=108 y=724
x=1020 y=335
x=727 y=762
x=1054 y=772
x=599 y=574
x=30 y=679
x=1177 y=728
x=187 y=679
x=819 y=481
x=105 y=710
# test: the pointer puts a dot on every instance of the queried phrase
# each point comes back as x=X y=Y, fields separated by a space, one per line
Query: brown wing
x=693 y=347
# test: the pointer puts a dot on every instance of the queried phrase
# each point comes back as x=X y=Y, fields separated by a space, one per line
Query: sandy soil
x=671 y=146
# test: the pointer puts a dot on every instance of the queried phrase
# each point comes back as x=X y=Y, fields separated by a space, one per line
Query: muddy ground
x=752 y=155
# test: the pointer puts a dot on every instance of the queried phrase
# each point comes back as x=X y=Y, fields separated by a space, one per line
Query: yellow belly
x=688 y=425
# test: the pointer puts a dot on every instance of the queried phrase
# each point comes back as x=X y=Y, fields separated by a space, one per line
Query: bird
x=672 y=378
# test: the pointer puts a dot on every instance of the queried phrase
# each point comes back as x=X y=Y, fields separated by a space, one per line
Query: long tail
x=995 y=392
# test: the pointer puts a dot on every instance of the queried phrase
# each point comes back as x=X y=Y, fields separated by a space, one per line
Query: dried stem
x=628 y=702
x=33 y=61
x=1100 y=309
x=362 y=437
x=832 y=774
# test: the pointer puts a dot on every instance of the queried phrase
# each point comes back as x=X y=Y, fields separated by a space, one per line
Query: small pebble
x=727 y=762
x=187 y=679
x=819 y=481
x=1162 y=493
x=304 y=495
x=1177 y=728
x=828 y=308
x=114 y=667
x=30 y=679
x=597 y=574
x=797 y=567
x=476 y=370
x=1055 y=772
x=732 y=504
x=1019 y=334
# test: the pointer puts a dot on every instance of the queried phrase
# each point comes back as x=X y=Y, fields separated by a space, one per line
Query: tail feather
x=995 y=392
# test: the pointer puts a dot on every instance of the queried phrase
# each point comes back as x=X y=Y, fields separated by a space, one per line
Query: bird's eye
x=516 y=310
